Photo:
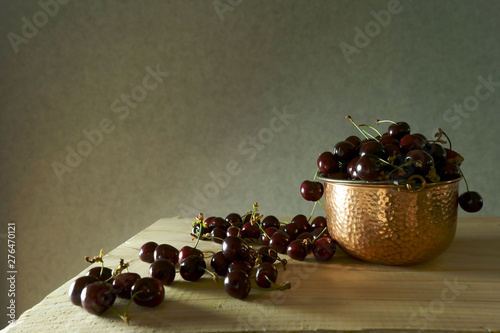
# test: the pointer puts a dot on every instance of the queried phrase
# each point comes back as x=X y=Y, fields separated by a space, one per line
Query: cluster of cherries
x=398 y=155
x=249 y=258
x=97 y=291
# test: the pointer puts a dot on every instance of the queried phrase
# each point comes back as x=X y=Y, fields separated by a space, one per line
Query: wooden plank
x=459 y=291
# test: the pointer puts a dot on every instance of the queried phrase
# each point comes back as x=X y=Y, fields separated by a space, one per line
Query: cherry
x=233 y=231
x=240 y=265
x=267 y=254
x=192 y=268
x=470 y=201
x=301 y=222
x=122 y=285
x=356 y=141
x=97 y=297
x=369 y=168
x=237 y=284
x=102 y=273
x=318 y=222
x=372 y=147
x=234 y=219
x=297 y=249
x=148 y=292
x=265 y=238
x=398 y=130
x=163 y=270
x=235 y=248
x=279 y=241
x=166 y=251
x=351 y=168
x=311 y=190
x=270 y=221
x=75 y=289
x=328 y=163
x=249 y=230
x=448 y=171
x=266 y=274
x=218 y=222
x=345 y=151
x=187 y=251
x=453 y=157
x=146 y=252
x=320 y=232
x=411 y=142
x=293 y=230
x=305 y=235
x=218 y=234
x=421 y=160
x=219 y=263
x=324 y=248
x=437 y=152
x=388 y=140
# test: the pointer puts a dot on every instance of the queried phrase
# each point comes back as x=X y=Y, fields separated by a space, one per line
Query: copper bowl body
x=390 y=223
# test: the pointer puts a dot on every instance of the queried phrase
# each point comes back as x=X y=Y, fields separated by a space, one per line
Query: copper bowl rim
x=408 y=183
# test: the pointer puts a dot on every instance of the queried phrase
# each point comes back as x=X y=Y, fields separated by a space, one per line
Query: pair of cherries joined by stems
x=397 y=154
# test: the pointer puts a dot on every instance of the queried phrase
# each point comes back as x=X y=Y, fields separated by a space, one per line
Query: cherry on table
x=146 y=252
x=270 y=221
x=123 y=283
x=97 y=297
x=324 y=248
x=75 y=289
x=235 y=248
x=237 y=284
x=297 y=249
x=166 y=251
x=192 y=268
x=187 y=251
x=102 y=273
x=148 y=292
x=163 y=270
x=266 y=274
x=279 y=241
x=220 y=264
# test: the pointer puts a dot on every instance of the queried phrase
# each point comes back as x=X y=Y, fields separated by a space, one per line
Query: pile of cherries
x=398 y=155
x=248 y=258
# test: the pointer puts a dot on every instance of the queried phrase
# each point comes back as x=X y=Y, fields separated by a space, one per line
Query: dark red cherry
x=102 y=273
x=345 y=151
x=235 y=248
x=219 y=263
x=421 y=160
x=234 y=218
x=374 y=148
x=448 y=171
x=453 y=157
x=237 y=284
x=265 y=238
x=411 y=142
x=148 y=292
x=369 y=168
x=241 y=266
x=470 y=201
x=249 y=230
x=123 y=283
x=75 y=289
x=351 y=168
x=398 y=130
x=318 y=222
x=293 y=230
x=146 y=252
x=97 y=297
x=163 y=270
x=297 y=249
x=266 y=274
x=324 y=248
x=328 y=163
x=166 y=251
x=270 y=221
x=192 y=268
x=437 y=152
x=311 y=191
x=388 y=140
x=279 y=241
x=355 y=140
x=187 y=251
x=267 y=254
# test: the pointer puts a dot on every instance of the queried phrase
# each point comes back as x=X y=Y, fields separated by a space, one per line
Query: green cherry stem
x=385 y=121
x=465 y=179
x=359 y=129
x=312 y=211
x=373 y=128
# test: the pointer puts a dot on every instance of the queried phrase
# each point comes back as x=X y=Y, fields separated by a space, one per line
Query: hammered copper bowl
x=392 y=223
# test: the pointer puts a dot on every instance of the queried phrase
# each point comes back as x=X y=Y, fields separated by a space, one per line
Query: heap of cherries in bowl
x=397 y=155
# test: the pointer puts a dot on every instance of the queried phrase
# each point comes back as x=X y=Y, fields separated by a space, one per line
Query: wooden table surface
x=457 y=292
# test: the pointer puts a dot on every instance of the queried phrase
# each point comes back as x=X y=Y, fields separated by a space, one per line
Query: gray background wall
x=231 y=70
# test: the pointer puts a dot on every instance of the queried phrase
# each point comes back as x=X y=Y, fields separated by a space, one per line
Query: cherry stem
x=319 y=235
x=201 y=222
x=359 y=129
x=465 y=179
x=215 y=277
x=275 y=286
x=312 y=212
x=440 y=134
x=373 y=128
x=322 y=205
x=385 y=121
